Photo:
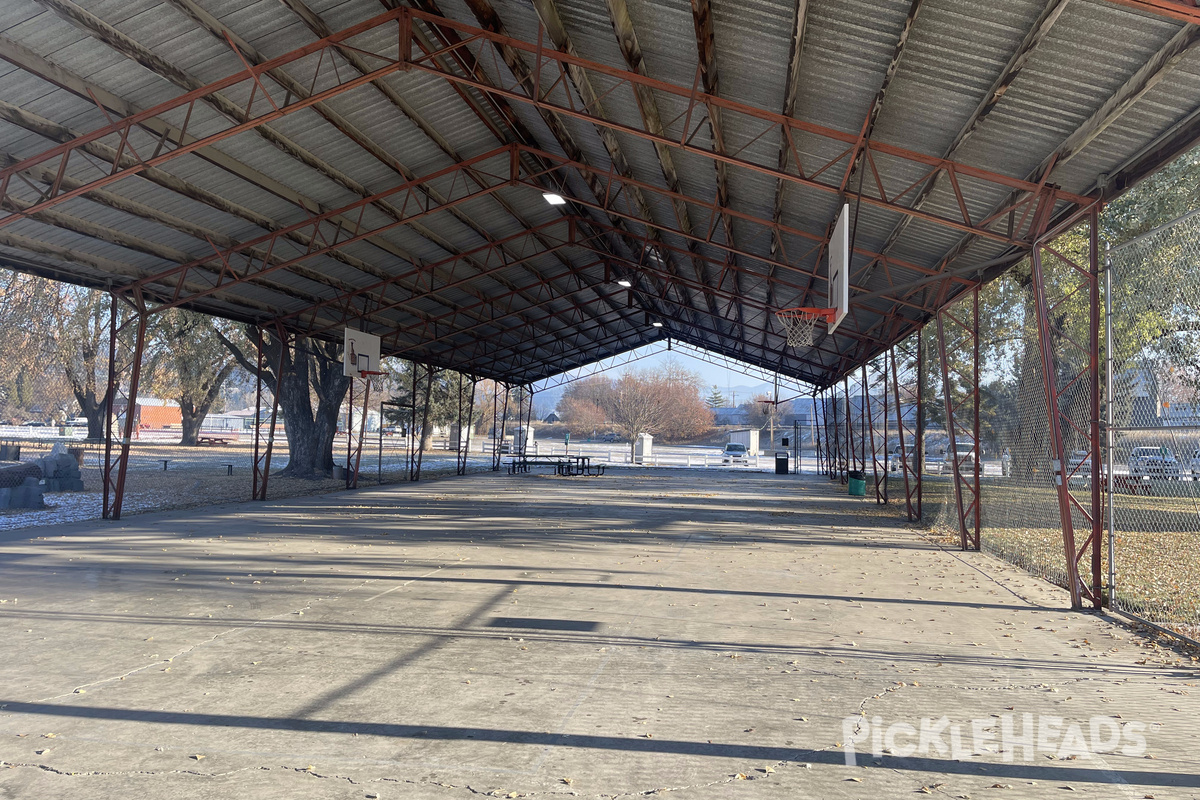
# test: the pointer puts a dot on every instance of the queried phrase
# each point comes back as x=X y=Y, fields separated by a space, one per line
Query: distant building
x=151 y=413
x=551 y=418
x=730 y=416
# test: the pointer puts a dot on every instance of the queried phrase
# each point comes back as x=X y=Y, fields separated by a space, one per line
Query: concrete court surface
x=686 y=634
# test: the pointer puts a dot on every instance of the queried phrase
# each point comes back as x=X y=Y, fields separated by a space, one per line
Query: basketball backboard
x=361 y=353
x=839 y=268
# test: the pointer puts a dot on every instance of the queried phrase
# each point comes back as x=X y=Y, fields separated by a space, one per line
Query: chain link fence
x=1154 y=412
x=1150 y=532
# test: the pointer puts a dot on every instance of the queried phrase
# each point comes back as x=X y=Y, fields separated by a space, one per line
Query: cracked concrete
x=693 y=635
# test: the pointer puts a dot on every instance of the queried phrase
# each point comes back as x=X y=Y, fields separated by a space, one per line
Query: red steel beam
x=123 y=126
x=1182 y=10
x=693 y=99
x=228 y=275
x=403 y=18
x=425 y=274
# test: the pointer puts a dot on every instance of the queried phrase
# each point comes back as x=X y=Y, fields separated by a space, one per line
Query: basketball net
x=800 y=323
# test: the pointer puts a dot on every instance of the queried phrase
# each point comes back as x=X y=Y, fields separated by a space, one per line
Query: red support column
x=419 y=435
x=501 y=432
x=262 y=453
x=349 y=433
x=1072 y=376
x=470 y=426
x=880 y=475
x=851 y=461
x=820 y=456
x=115 y=468
x=966 y=487
x=355 y=443
x=909 y=438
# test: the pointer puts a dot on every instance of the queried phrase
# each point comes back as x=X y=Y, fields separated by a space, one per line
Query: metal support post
x=851 y=462
x=116 y=465
x=838 y=463
x=816 y=429
x=262 y=451
x=919 y=449
x=1110 y=421
x=420 y=437
x=355 y=443
x=412 y=425
x=966 y=487
x=498 y=453
x=796 y=444
x=880 y=475
x=1073 y=380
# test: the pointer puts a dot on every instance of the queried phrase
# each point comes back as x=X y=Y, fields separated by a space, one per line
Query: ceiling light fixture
x=656 y=324
x=624 y=282
x=554 y=199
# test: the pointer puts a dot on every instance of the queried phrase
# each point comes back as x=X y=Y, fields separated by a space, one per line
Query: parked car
x=1153 y=462
x=735 y=453
x=1079 y=468
x=939 y=462
x=894 y=457
x=609 y=438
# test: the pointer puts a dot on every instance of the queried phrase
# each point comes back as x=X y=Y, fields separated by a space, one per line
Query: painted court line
x=402 y=585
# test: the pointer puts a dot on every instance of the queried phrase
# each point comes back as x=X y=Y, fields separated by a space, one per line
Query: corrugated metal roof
x=522 y=321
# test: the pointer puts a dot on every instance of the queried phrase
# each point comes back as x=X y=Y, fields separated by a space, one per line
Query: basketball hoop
x=370 y=376
x=800 y=323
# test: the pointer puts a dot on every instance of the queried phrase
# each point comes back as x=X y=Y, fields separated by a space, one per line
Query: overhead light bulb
x=624 y=282
x=554 y=199
x=656 y=324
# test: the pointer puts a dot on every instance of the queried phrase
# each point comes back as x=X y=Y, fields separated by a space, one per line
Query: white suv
x=735 y=453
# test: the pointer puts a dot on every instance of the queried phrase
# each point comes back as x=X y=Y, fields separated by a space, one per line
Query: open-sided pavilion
x=306 y=166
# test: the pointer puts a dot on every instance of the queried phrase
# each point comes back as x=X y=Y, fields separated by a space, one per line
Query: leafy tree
x=448 y=391
x=43 y=322
x=193 y=364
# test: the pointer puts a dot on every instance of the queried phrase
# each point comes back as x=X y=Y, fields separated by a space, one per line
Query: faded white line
x=402 y=585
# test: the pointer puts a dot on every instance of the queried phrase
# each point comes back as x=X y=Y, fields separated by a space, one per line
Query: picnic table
x=216 y=438
x=564 y=465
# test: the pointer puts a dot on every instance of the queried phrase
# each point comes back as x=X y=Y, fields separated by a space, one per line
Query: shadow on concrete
x=1025 y=771
x=538 y=630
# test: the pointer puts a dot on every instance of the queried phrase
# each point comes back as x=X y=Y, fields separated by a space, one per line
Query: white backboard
x=839 y=268
x=361 y=353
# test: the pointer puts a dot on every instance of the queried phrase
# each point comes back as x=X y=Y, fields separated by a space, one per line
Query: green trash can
x=858 y=483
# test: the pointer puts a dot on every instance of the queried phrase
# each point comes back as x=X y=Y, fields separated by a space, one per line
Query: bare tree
x=311 y=370
x=638 y=404
x=584 y=405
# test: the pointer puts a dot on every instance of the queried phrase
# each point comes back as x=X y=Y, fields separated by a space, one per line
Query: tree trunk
x=190 y=419
x=306 y=365
x=94 y=410
x=193 y=412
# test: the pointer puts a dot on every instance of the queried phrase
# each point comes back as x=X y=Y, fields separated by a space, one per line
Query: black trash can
x=781 y=463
